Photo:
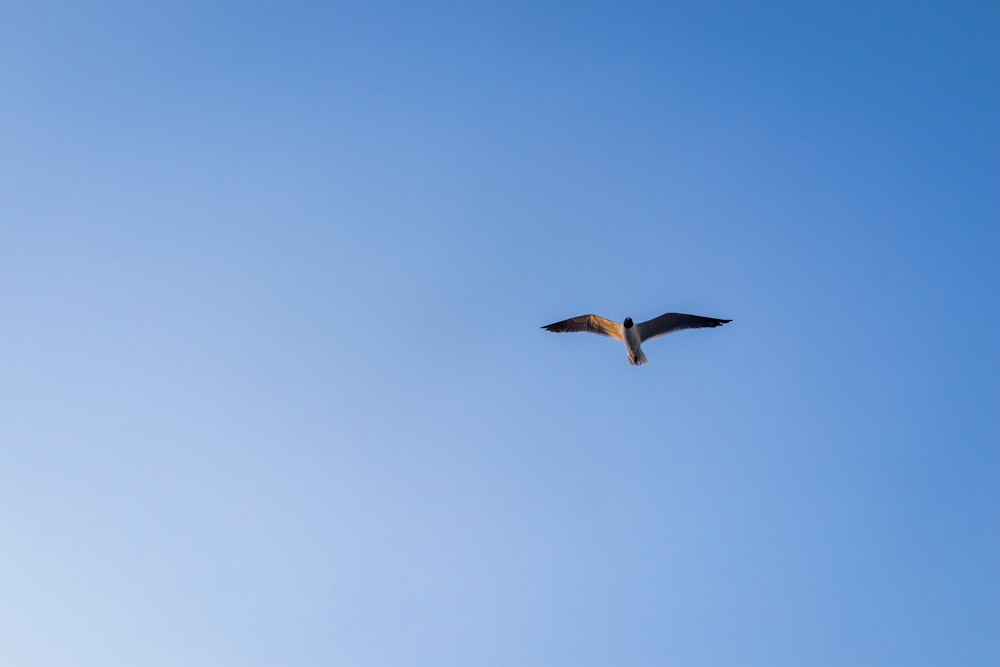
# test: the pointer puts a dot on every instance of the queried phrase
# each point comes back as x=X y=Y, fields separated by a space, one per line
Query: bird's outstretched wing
x=591 y=323
x=670 y=322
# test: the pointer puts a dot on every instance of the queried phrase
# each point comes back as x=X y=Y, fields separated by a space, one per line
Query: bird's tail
x=638 y=359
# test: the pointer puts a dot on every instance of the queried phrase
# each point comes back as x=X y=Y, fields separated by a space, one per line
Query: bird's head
x=628 y=322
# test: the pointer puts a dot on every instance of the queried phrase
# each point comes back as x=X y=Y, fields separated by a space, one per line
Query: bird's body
x=634 y=335
x=633 y=344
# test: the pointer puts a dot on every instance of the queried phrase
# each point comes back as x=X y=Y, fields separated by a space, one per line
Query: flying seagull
x=634 y=335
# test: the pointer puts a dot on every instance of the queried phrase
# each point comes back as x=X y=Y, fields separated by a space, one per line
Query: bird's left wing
x=670 y=322
x=591 y=323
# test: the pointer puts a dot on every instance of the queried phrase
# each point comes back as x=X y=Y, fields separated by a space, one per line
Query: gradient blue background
x=274 y=392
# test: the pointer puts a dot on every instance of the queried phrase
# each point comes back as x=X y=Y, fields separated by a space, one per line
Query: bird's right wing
x=670 y=322
x=591 y=323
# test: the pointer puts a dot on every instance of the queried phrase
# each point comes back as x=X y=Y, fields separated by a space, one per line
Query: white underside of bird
x=633 y=344
x=634 y=335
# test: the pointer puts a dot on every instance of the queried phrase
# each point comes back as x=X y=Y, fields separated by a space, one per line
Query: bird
x=634 y=335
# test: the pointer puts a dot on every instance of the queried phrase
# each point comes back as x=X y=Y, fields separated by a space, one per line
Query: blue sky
x=274 y=391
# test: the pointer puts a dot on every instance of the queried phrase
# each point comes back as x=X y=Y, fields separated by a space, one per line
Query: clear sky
x=273 y=389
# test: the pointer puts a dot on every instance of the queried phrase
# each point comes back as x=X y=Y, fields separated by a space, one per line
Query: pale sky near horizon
x=274 y=390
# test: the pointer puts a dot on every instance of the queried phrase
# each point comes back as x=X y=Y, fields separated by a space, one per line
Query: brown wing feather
x=589 y=323
x=670 y=322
